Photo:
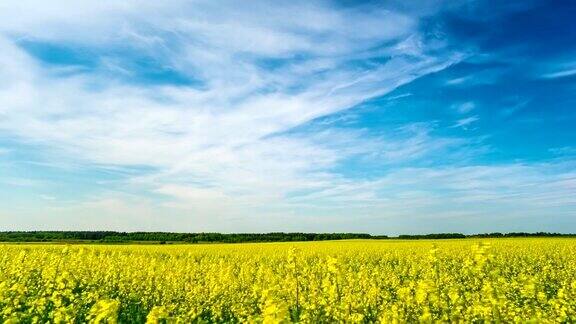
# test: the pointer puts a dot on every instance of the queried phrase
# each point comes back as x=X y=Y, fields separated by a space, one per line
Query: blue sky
x=384 y=117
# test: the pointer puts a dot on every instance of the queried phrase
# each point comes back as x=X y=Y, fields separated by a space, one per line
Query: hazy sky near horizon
x=384 y=117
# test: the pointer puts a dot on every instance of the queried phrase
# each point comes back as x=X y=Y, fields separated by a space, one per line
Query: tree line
x=166 y=237
x=109 y=236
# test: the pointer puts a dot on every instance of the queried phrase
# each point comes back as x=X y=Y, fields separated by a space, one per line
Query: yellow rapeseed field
x=498 y=280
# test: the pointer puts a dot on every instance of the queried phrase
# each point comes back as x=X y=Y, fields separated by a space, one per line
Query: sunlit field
x=497 y=280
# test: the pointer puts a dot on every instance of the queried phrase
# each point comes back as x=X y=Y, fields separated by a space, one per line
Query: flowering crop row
x=500 y=280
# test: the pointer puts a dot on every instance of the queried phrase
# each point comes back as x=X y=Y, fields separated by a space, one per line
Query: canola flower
x=498 y=280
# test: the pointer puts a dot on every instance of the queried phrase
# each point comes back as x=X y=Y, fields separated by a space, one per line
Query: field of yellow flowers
x=498 y=280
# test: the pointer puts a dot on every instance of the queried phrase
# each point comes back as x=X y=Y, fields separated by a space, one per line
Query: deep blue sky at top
x=520 y=81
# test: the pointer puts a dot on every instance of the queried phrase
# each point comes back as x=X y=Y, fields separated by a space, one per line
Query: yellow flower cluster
x=499 y=280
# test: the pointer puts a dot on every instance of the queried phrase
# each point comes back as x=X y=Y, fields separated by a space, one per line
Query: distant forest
x=164 y=237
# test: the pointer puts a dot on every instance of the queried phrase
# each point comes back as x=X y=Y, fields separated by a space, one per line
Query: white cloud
x=560 y=74
x=461 y=198
x=465 y=107
x=468 y=198
x=563 y=151
x=20 y=182
x=466 y=122
x=227 y=123
x=460 y=80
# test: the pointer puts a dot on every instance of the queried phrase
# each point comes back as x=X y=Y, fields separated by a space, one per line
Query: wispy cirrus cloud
x=258 y=72
x=560 y=74
x=466 y=122
x=465 y=107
